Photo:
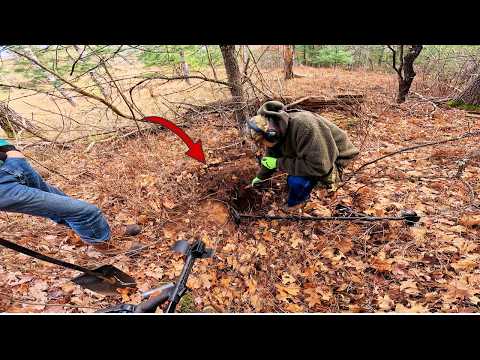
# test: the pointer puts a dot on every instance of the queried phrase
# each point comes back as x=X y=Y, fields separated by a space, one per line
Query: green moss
x=459 y=104
x=186 y=304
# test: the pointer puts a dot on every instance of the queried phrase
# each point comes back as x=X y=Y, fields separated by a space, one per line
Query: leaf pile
x=275 y=266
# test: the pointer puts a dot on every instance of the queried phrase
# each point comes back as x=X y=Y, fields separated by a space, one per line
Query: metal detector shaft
x=409 y=218
x=180 y=287
x=321 y=218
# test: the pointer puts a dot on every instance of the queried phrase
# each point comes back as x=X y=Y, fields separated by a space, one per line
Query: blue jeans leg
x=34 y=180
x=299 y=189
x=19 y=193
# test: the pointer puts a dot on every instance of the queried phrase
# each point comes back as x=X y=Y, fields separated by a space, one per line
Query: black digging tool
x=410 y=217
x=105 y=280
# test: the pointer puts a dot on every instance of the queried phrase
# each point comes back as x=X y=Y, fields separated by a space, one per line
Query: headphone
x=270 y=135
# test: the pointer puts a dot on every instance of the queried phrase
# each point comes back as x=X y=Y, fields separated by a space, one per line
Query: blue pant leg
x=85 y=219
x=33 y=179
x=300 y=188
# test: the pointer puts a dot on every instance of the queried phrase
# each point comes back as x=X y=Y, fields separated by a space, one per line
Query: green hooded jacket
x=310 y=145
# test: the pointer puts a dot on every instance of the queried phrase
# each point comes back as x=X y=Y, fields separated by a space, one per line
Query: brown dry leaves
x=278 y=266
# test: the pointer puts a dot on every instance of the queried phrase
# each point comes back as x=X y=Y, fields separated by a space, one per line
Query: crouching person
x=310 y=148
x=22 y=190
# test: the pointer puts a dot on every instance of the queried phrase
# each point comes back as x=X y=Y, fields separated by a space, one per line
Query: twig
x=466 y=135
x=270 y=178
x=73 y=86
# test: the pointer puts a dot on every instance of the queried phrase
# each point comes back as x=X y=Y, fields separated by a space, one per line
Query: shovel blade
x=181 y=246
x=117 y=280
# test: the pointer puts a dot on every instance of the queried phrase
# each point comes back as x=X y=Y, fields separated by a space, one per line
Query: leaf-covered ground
x=263 y=266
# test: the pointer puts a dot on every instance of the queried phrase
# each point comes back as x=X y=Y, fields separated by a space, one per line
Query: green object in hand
x=269 y=162
x=256 y=180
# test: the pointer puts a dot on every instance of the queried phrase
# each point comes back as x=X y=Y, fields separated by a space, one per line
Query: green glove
x=256 y=180
x=269 y=162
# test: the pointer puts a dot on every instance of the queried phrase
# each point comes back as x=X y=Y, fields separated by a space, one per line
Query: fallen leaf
x=418 y=234
x=167 y=203
x=295 y=240
x=261 y=249
x=470 y=220
x=125 y=293
x=252 y=285
x=345 y=245
x=229 y=247
x=142 y=219
x=267 y=236
x=382 y=265
x=313 y=297
x=409 y=287
x=458 y=290
x=474 y=300
x=385 y=303
x=309 y=271
x=465 y=246
x=354 y=308
x=417 y=308
x=69 y=287
x=469 y=263
x=147 y=181
x=285 y=293
x=320 y=210
x=206 y=281
x=225 y=282
x=294 y=308
x=256 y=302
x=38 y=290
x=288 y=279
x=194 y=282
x=414 y=308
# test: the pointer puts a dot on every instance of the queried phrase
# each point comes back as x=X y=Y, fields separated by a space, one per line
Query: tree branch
x=75 y=87
x=394 y=60
x=466 y=135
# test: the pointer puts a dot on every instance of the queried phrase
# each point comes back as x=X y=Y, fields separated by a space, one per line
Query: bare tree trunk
x=93 y=75
x=380 y=58
x=288 y=61
x=234 y=76
x=405 y=71
x=183 y=63
x=408 y=72
x=51 y=78
x=471 y=94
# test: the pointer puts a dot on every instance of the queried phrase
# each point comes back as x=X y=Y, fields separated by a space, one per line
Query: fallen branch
x=410 y=148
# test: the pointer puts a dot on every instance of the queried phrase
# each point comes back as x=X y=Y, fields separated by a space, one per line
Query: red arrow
x=194 y=148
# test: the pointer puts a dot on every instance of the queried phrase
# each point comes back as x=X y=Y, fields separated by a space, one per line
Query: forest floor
x=262 y=266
